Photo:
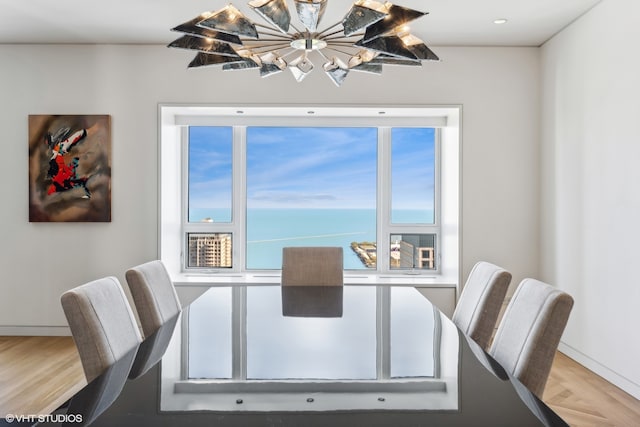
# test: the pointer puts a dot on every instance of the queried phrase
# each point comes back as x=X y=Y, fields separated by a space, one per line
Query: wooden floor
x=37 y=374
x=582 y=398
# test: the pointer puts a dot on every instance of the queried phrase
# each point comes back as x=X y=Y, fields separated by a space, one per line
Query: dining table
x=271 y=355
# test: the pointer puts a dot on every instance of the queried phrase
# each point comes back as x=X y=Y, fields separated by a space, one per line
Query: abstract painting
x=69 y=168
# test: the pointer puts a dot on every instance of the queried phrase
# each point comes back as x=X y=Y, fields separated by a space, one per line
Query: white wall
x=590 y=174
x=497 y=87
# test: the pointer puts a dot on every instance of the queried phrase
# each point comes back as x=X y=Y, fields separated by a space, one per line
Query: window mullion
x=437 y=212
x=383 y=332
x=383 y=198
x=239 y=216
x=239 y=333
x=184 y=189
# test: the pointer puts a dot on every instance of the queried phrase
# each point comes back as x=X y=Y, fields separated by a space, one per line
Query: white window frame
x=384 y=228
x=174 y=118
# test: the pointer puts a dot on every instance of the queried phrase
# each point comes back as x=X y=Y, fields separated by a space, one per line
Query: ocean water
x=269 y=230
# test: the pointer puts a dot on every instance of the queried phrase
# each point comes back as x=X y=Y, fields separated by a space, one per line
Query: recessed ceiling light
x=500 y=21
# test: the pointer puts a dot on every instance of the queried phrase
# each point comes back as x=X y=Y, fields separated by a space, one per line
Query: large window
x=254 y=189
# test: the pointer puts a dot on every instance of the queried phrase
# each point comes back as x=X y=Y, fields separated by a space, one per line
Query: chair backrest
x=312 y=266
x=102 y=324
x=529 y=333
x=153 y=295
x=480 y=302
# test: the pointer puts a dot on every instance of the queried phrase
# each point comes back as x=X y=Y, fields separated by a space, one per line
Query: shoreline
x=366 y=252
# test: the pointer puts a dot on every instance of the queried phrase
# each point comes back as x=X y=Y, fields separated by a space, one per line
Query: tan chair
x=480 y=302
x=102 y=324
x=529 y=333
x=154 y=295
x=158 y=308
x=312 y=266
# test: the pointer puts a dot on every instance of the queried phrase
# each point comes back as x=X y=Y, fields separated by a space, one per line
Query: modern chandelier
x=370 y=35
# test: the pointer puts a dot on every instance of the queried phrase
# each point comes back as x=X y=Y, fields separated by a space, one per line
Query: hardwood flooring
x=38 y=374
x=582 y=398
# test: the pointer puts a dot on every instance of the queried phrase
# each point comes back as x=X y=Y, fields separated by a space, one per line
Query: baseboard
x=29 y=331
x=596 y=367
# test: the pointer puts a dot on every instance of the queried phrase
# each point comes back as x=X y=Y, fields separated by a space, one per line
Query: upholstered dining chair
x=312 y=266
x=102 y=324
x=529 y=332
x=480 y=302
x=153 y=295
x=158 y=308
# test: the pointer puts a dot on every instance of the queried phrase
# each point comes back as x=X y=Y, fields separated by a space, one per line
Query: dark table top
x=341 y=356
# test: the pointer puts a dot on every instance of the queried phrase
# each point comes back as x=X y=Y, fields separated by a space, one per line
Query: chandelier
x=370 y=35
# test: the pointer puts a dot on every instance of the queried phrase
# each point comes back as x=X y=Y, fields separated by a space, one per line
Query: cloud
x=323 y=167
x=290 y=197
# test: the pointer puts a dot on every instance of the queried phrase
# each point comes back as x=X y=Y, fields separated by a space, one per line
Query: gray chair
x=153 y=295
x=158 y=308
x=529 y=333
x=480 y=302
x=102 y=324
x=312 y=266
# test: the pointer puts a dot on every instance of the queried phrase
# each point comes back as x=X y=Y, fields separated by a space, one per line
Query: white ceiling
x=450 y=22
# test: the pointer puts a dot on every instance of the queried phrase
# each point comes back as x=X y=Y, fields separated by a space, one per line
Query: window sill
x=273 y=278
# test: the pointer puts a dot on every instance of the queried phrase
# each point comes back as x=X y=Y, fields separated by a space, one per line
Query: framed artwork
x=69 y=168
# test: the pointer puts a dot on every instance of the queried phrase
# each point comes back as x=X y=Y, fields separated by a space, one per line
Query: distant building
x=402 y=255
x=209 y=250
x=413 y=251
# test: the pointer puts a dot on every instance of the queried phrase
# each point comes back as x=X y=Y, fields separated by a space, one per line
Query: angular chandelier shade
x=370 y=35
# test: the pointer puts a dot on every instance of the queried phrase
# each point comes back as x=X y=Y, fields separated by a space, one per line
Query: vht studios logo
x=50 y=418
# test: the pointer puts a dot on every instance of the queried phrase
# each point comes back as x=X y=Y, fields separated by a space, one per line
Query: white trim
x=598 y=368
x=403 y=385
x=273 y=278
x=434 y=400
x=283 y=115
x=33 y=331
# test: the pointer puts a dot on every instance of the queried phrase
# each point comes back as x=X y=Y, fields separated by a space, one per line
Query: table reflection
x=242 y=342
x=282 y=347
x=312 y=301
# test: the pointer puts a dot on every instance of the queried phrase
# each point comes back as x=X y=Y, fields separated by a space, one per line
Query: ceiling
x=449 y=23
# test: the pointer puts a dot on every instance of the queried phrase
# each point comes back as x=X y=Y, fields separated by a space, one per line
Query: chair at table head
x=158 y=308
x=479 y=305
x=312 y=281
x=529 y=333
x=312 y=266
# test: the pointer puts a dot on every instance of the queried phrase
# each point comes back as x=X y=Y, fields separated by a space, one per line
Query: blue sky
x=310 y=167
x=412 y=168
x=210 y=165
